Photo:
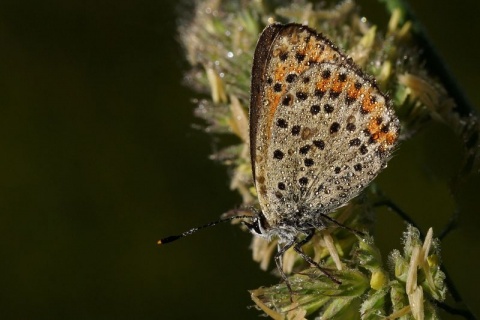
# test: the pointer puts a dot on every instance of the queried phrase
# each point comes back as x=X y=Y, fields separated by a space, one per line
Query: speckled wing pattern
x=320 y=130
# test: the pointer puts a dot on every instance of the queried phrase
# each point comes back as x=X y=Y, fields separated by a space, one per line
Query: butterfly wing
x=320 y=130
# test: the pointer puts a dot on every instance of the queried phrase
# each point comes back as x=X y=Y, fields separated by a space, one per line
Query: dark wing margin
x=260 y=60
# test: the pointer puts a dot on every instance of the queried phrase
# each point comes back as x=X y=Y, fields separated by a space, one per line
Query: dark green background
x=98 y=160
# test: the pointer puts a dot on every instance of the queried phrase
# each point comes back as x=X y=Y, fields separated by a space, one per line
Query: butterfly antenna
x=193 y=230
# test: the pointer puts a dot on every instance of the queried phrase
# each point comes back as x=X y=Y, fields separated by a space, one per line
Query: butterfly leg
x=278 y=262
x=298 y=249
x=356 y=232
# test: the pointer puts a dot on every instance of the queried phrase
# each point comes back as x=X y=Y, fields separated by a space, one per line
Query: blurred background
x=99 y=160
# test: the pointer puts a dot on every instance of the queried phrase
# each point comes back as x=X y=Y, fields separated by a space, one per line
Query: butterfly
x=320 y=131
